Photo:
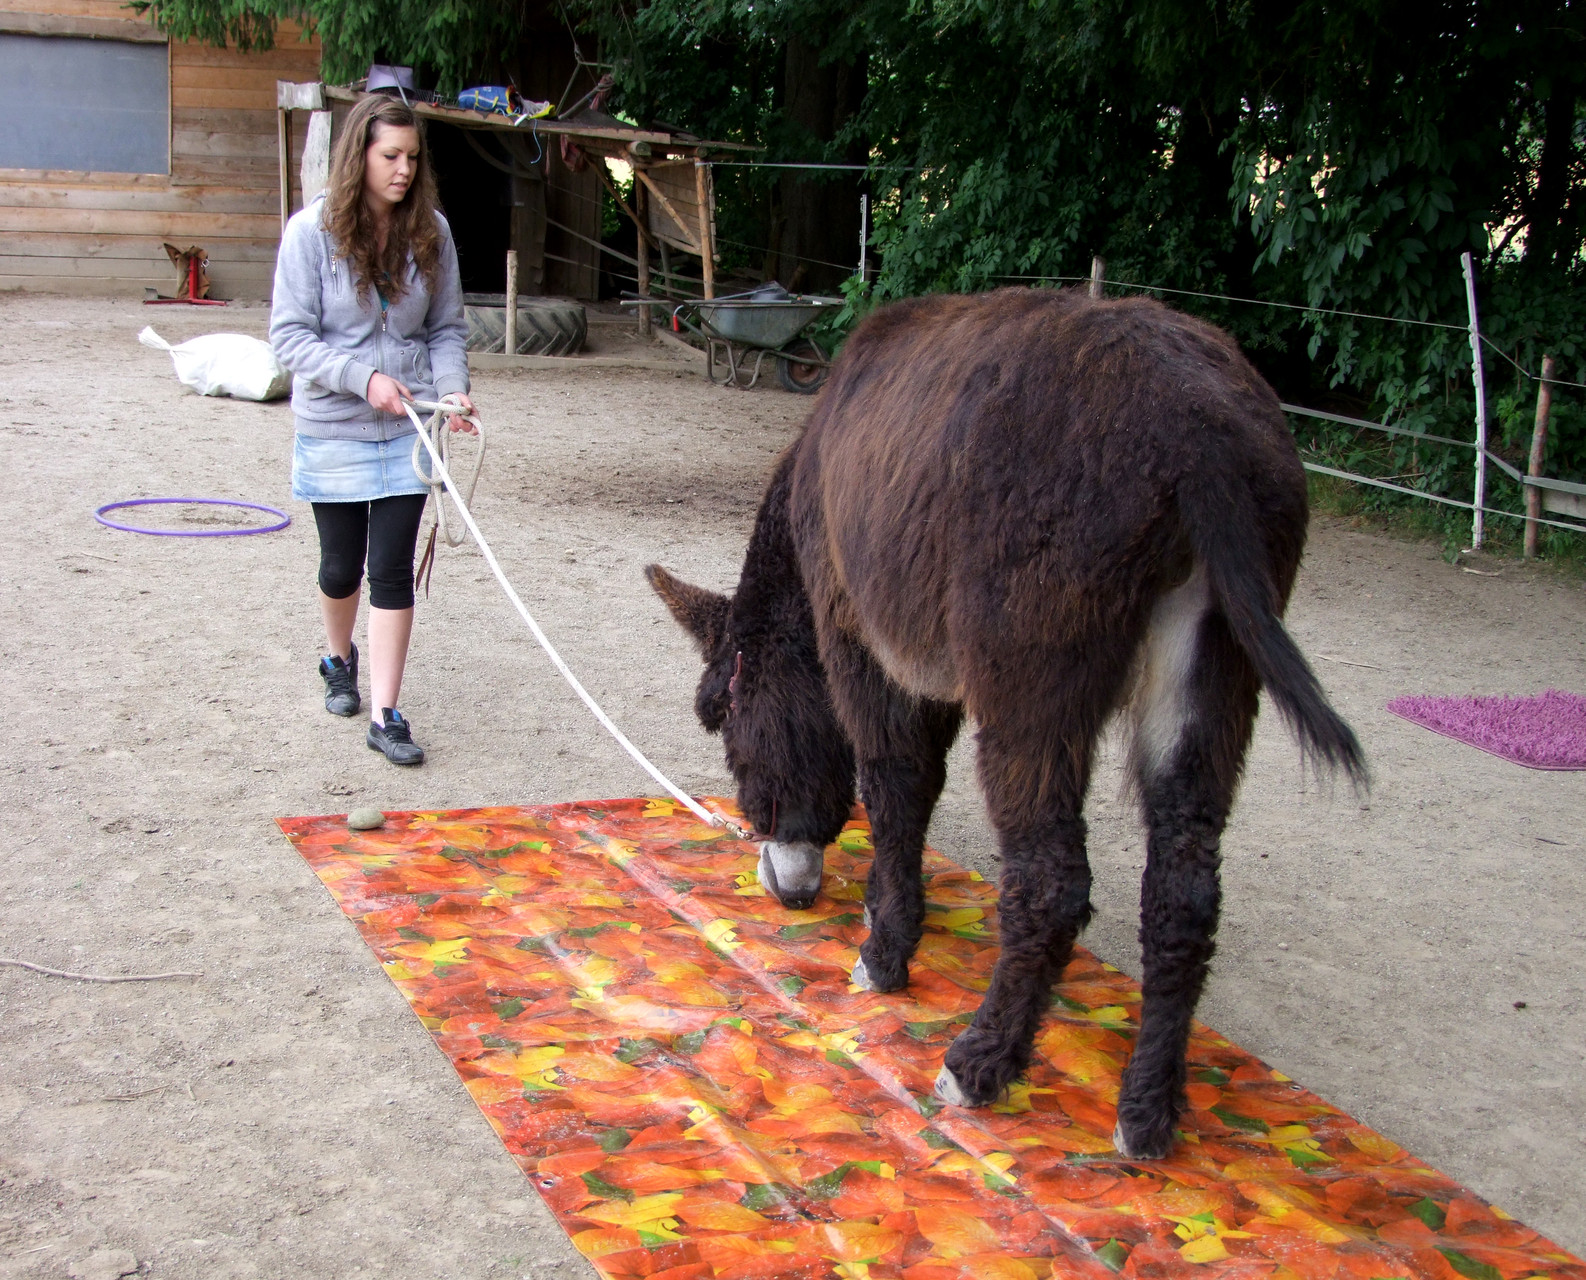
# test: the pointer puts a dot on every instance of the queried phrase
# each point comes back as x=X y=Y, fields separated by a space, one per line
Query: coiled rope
x=440 y=480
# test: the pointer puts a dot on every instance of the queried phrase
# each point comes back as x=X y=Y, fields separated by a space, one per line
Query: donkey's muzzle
x=791 y=872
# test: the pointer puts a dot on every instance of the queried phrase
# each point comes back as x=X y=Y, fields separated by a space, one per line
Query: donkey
x=1034 y=509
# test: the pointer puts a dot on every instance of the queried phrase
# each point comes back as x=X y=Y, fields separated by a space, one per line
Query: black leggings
x=388 y=528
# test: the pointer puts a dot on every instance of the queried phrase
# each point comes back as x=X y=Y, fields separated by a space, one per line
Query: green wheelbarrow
x=764 y=323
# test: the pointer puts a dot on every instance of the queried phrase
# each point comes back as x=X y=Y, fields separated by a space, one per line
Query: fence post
x=864 y=233
x=1533 y=495
x=704 y=192
x=1098 y=276
x=1476 y=529
x=509 y=342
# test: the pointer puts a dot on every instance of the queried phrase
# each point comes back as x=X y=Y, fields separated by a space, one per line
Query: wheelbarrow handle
x=681 y=322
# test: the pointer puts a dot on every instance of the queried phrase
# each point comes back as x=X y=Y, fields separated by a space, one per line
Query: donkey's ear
x=703 y=614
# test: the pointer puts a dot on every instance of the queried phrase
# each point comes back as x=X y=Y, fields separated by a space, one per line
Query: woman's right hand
x=387 y=394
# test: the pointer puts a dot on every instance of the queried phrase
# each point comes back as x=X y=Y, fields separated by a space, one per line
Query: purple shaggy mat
x=1547 y=731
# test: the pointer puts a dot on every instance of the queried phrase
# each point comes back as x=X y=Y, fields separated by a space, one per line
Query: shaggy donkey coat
x=1033 y=509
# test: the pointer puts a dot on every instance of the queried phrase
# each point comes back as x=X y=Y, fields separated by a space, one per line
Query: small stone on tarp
x=365 y=819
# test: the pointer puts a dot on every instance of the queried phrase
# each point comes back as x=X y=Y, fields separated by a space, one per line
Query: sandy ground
x=286 y=1115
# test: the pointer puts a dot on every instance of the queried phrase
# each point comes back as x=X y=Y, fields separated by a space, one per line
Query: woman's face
x=390 y=164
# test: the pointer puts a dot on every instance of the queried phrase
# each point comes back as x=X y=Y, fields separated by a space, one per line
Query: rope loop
x=437 y=439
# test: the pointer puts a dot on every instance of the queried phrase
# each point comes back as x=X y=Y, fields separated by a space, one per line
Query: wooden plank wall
x=101 y=232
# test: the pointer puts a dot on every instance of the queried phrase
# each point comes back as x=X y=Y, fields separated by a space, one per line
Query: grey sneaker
x=394 y=738
x=341 y=684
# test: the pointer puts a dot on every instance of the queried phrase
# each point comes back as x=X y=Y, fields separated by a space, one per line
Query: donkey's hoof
x=947 y=1089
x=791 y=872
x=875 y=978
x=1141 y=1148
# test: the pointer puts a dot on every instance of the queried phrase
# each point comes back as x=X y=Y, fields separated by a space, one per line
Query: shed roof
x=594 y=131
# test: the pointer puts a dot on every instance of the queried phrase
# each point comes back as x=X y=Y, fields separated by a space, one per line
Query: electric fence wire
x=1293 y=306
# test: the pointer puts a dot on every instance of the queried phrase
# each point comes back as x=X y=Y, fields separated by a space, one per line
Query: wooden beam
x=643 y=252
x=1533 y=495
x=52 y=24
x=221 y=197
x=552 y=128
x=191 y=228
x=283 y=143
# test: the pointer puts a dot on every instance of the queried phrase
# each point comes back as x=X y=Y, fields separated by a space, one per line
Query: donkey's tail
x=1225 y=530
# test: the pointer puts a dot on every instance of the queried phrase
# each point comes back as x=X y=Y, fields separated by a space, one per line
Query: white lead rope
x=438 y=413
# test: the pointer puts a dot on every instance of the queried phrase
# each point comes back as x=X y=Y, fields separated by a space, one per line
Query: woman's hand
x=462 y=402
x=387 y=394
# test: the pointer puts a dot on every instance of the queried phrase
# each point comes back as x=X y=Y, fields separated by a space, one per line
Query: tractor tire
x=546 y=326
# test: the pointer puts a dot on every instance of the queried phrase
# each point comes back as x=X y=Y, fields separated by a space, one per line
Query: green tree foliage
x=1336 y=155
x=450 y=42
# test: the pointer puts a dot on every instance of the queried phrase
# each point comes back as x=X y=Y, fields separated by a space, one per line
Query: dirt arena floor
x=286 y=1115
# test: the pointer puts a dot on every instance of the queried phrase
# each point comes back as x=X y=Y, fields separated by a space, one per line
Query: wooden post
x=666 y=268
x=1533 y=495
x=707 y=244
x=283 y=142
x=314 y=171
x=1098 y=276
x=642 y=252
x=510 y=342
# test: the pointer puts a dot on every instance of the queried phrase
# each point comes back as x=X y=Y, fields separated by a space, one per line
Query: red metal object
x=195 y=266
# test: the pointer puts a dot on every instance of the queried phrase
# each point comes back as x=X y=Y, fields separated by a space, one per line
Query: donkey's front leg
x=1044 y=903
x=899 y=795
x=900 y=744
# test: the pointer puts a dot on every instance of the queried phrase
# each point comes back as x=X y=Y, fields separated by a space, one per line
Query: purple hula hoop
x=99 y=515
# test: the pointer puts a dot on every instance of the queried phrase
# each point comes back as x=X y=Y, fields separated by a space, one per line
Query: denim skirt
x=356 y=470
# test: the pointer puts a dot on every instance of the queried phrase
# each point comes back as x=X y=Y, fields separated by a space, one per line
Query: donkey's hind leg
x=900 y=744
x=1192 y=734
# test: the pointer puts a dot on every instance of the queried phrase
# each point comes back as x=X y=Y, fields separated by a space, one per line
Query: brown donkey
x=1033 y=509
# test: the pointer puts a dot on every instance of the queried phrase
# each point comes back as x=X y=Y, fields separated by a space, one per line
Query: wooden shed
x=118 y=140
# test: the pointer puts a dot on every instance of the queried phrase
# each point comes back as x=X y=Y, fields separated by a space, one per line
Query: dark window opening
x=85 y=105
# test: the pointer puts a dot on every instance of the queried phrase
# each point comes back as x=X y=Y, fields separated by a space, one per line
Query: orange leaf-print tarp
x=682 y=1069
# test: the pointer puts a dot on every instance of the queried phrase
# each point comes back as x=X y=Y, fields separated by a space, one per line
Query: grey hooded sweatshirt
x=333 y=345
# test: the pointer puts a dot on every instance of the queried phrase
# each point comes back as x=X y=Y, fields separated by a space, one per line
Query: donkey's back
x=1011 y=467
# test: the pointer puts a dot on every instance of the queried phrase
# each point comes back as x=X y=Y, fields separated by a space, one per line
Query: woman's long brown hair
x=414 y=228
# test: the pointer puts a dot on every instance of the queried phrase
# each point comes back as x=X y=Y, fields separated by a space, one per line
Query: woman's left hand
x=462 y=402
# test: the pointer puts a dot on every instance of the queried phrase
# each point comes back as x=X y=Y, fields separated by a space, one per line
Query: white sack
x=225 y=364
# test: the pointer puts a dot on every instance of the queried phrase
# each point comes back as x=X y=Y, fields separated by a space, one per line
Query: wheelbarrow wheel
x=802 y=375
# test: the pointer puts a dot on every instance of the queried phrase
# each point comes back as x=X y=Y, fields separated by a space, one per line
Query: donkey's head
x=764 y=690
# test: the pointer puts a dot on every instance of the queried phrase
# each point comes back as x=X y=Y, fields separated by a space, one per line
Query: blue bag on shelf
x=492 y=99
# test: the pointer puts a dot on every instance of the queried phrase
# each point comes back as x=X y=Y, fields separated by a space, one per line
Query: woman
x=367 y=311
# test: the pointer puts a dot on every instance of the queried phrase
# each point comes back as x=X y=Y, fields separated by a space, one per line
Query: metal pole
x=1098 y=276
x=864 y=233
x=509 y=344
x=1476 y=527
